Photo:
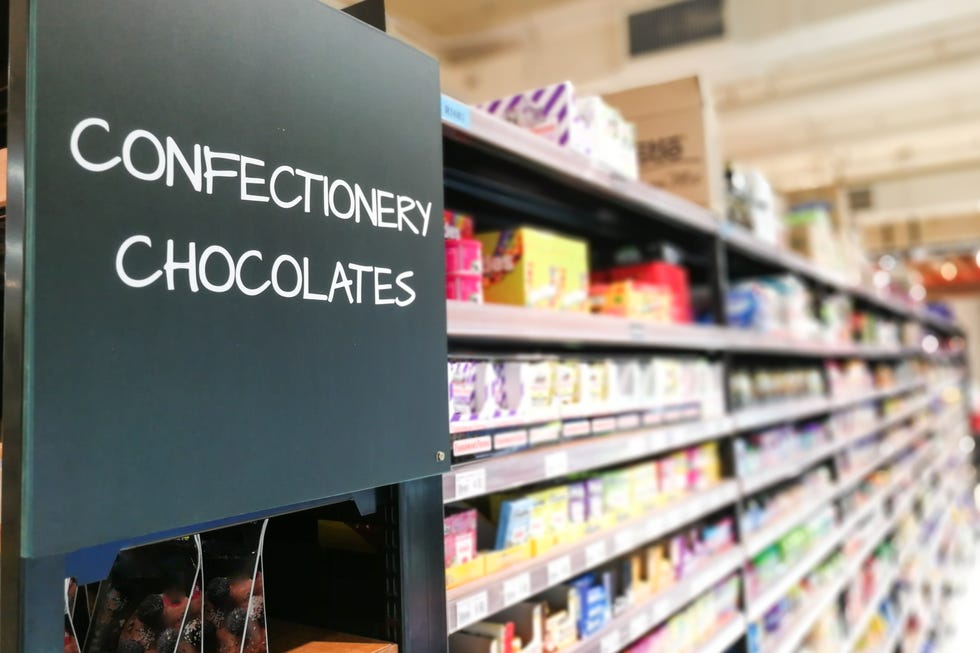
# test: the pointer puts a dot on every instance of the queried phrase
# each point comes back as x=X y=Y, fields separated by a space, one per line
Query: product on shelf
x=572 y=397
x=775 y=304
x=586 y=125
x=516 y=526
x=765 y=385
x=763 y=510
x=762 y=635
x=535 y=268
x=695 y=624
x=657 y=290
x=153 y=595
x=767 y=449
x=676 y=138
x=578 y=608
x=767 y=566
x=752 y=204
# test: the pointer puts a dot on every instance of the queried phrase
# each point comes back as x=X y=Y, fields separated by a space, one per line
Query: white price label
x=559 y=569
x=556 y=464
x=611 y=643
x=596 y=553
x=470 y=484
x=658 y=441
x=472 y=609
x=517 y=588
x=651 y=529
x=635 y=447
x=624 y=540
x=639 y=625
x=659 y=611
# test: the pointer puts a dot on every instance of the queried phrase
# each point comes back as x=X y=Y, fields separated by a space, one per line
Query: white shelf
x=759 y=605
x=501 y=322
x=513 y=143
x=797 y=630
x=876 y=395
x=894 y=634
x=756 y=542
x=519 y=143
x=495 y=592
x=757 y=481
x=726 y=637
x=870 y=610
x=790 y=410
x=506 y=471
x=636 y=621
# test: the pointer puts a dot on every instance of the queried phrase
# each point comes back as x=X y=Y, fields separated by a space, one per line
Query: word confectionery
x=287 y=187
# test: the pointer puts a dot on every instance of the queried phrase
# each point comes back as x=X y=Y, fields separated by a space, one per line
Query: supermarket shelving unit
x=503 y=173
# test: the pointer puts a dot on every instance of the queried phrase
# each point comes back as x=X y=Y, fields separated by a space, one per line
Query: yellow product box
x=541 y=545
x=643 y=484
x=497 y=560
x=467 y=571
x=532 y=267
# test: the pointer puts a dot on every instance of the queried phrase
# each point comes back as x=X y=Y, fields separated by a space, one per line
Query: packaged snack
x=535 y=268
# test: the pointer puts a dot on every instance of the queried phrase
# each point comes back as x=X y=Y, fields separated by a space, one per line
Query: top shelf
x=477 y=129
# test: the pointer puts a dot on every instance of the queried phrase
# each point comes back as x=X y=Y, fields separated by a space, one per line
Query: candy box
x=457 y=225
x=464 y=287
x=464 y=255
x=531 y=267
x=548 y=111
x=459 y=533
x=464 y=376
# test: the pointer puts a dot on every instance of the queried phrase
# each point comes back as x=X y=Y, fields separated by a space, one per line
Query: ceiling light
x=948 y=271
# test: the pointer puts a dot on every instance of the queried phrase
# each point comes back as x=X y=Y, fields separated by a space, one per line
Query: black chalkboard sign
x=233 y=265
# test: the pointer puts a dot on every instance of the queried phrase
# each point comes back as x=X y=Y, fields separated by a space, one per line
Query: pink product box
x=464 y=256
x=466 y=287
x=548 y=111
x=459 y=537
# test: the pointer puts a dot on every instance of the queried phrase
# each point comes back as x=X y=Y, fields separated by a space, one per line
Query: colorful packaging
x=459 y=533
x=464 y=255
x=464 y=287
x=514 y=525
x=531 y=267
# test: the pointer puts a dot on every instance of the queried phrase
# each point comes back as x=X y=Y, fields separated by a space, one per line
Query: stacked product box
x=572 y=397
x=586 y=125
x=464 y=259
x=655 y=289
x=516 y=526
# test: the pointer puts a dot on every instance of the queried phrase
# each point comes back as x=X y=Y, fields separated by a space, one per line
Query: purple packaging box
x=548 y=111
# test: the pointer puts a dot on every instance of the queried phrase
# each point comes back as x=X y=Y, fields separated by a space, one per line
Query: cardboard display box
x=677 y=139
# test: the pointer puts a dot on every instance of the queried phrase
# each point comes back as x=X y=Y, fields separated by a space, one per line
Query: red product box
x=672 y=276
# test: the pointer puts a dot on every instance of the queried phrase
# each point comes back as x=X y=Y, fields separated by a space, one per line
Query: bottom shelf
x=295 y=638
